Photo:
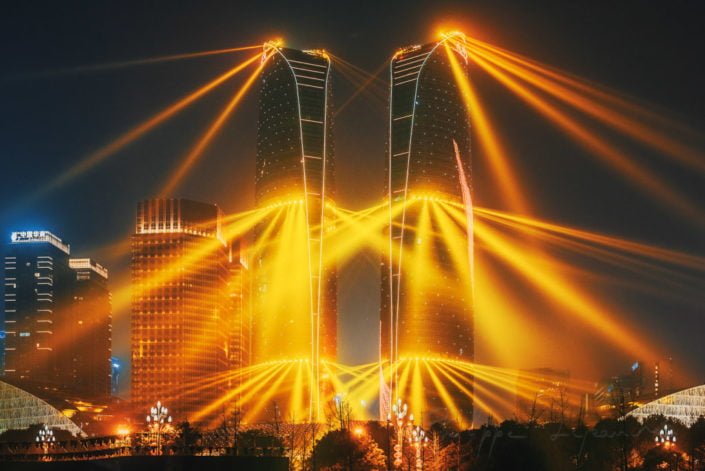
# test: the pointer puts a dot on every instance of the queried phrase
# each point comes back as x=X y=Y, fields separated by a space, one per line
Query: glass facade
x=429 y=138
x=180 y=307
x=58 y=318
x=295 y=165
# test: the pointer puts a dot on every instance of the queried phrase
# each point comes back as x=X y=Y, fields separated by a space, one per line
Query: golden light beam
x=658 y=253
x=448 y=399
x=609 y=154
x=563 y=292
x=252 y=385
x=367 y=83
x=138 y=131
x=195 y=153
x=541 y=76
x=496 y=154
x=273 y=388
x=122 y=296
x=135 y=62
x=638 y=263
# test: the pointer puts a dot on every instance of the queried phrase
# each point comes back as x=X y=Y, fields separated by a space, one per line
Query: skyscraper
x=426 y=302
x=37 y=300
x=90 y=332
x=295 y=169
x=57 y=317
x=179 y=307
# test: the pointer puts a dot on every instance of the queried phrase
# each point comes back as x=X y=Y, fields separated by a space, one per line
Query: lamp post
x=401 y=421
x=419 y=439
x=158 y=419
x=45 y=437
x=389 y=441
x=667 y=439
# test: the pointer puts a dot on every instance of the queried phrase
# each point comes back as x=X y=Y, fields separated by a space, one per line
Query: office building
x=428 y=160
x=57 y=318
x=179 y=308
x=294 y=169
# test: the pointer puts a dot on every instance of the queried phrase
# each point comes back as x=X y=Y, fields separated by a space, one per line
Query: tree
x=258 y=442
x=225 y=435
x=339 y=414
x=187 y=435
x=341 y=450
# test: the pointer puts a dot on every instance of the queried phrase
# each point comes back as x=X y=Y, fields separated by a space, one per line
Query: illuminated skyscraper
x=180 y=306
x=426 y=303
x=37 y=299
x=295 y=168
x=57 y=318
x=90 y=332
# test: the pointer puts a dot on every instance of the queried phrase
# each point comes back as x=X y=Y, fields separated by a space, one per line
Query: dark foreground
x=153 y=463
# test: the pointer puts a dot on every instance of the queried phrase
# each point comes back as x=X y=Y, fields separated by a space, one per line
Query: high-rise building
x=57 y=317
x=427 y=310
x=180 y=308
x=37 y=298
x=90 y=334
x=295 y=169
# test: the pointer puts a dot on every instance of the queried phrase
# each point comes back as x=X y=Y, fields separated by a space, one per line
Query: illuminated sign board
x=38 y=236
x=26 y=236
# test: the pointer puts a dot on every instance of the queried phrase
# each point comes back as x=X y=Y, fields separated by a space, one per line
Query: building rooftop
x=35 y=237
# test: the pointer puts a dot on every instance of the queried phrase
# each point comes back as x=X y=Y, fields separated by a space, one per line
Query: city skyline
x=634 y=227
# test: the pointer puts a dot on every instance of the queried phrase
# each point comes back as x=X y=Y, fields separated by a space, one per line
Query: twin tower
x=426 y=310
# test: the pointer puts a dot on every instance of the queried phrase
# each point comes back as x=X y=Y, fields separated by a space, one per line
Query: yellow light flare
x=122 y=296
x=496 y=154
x=137 y=62
x=140 y=130
x=621 y=120
x=365 y=86
x=197 y=151
x=498 y=310
x=614 y=254
x=252 y=386
x=607 y=152
x=463 y=421
x=563 y=292
x=637 y=248
x=272 y=390
x=417 y=400
x=456 y=240
x=354 y=232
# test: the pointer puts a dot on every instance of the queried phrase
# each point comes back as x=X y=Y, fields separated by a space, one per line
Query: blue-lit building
x=57 y=317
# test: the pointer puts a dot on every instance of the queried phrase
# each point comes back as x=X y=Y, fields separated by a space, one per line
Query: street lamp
x=665 y=437
x=419 y=439
x=46 y=437
x=158 y=419
x=400 y=409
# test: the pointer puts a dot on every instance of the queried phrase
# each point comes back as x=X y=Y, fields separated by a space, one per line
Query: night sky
x=651 y=51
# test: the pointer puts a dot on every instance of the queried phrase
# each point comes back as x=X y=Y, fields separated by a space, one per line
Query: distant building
x=428 y=159
x=91 y=330
x=180 y=308
x=617 y=395
x=57 y=317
